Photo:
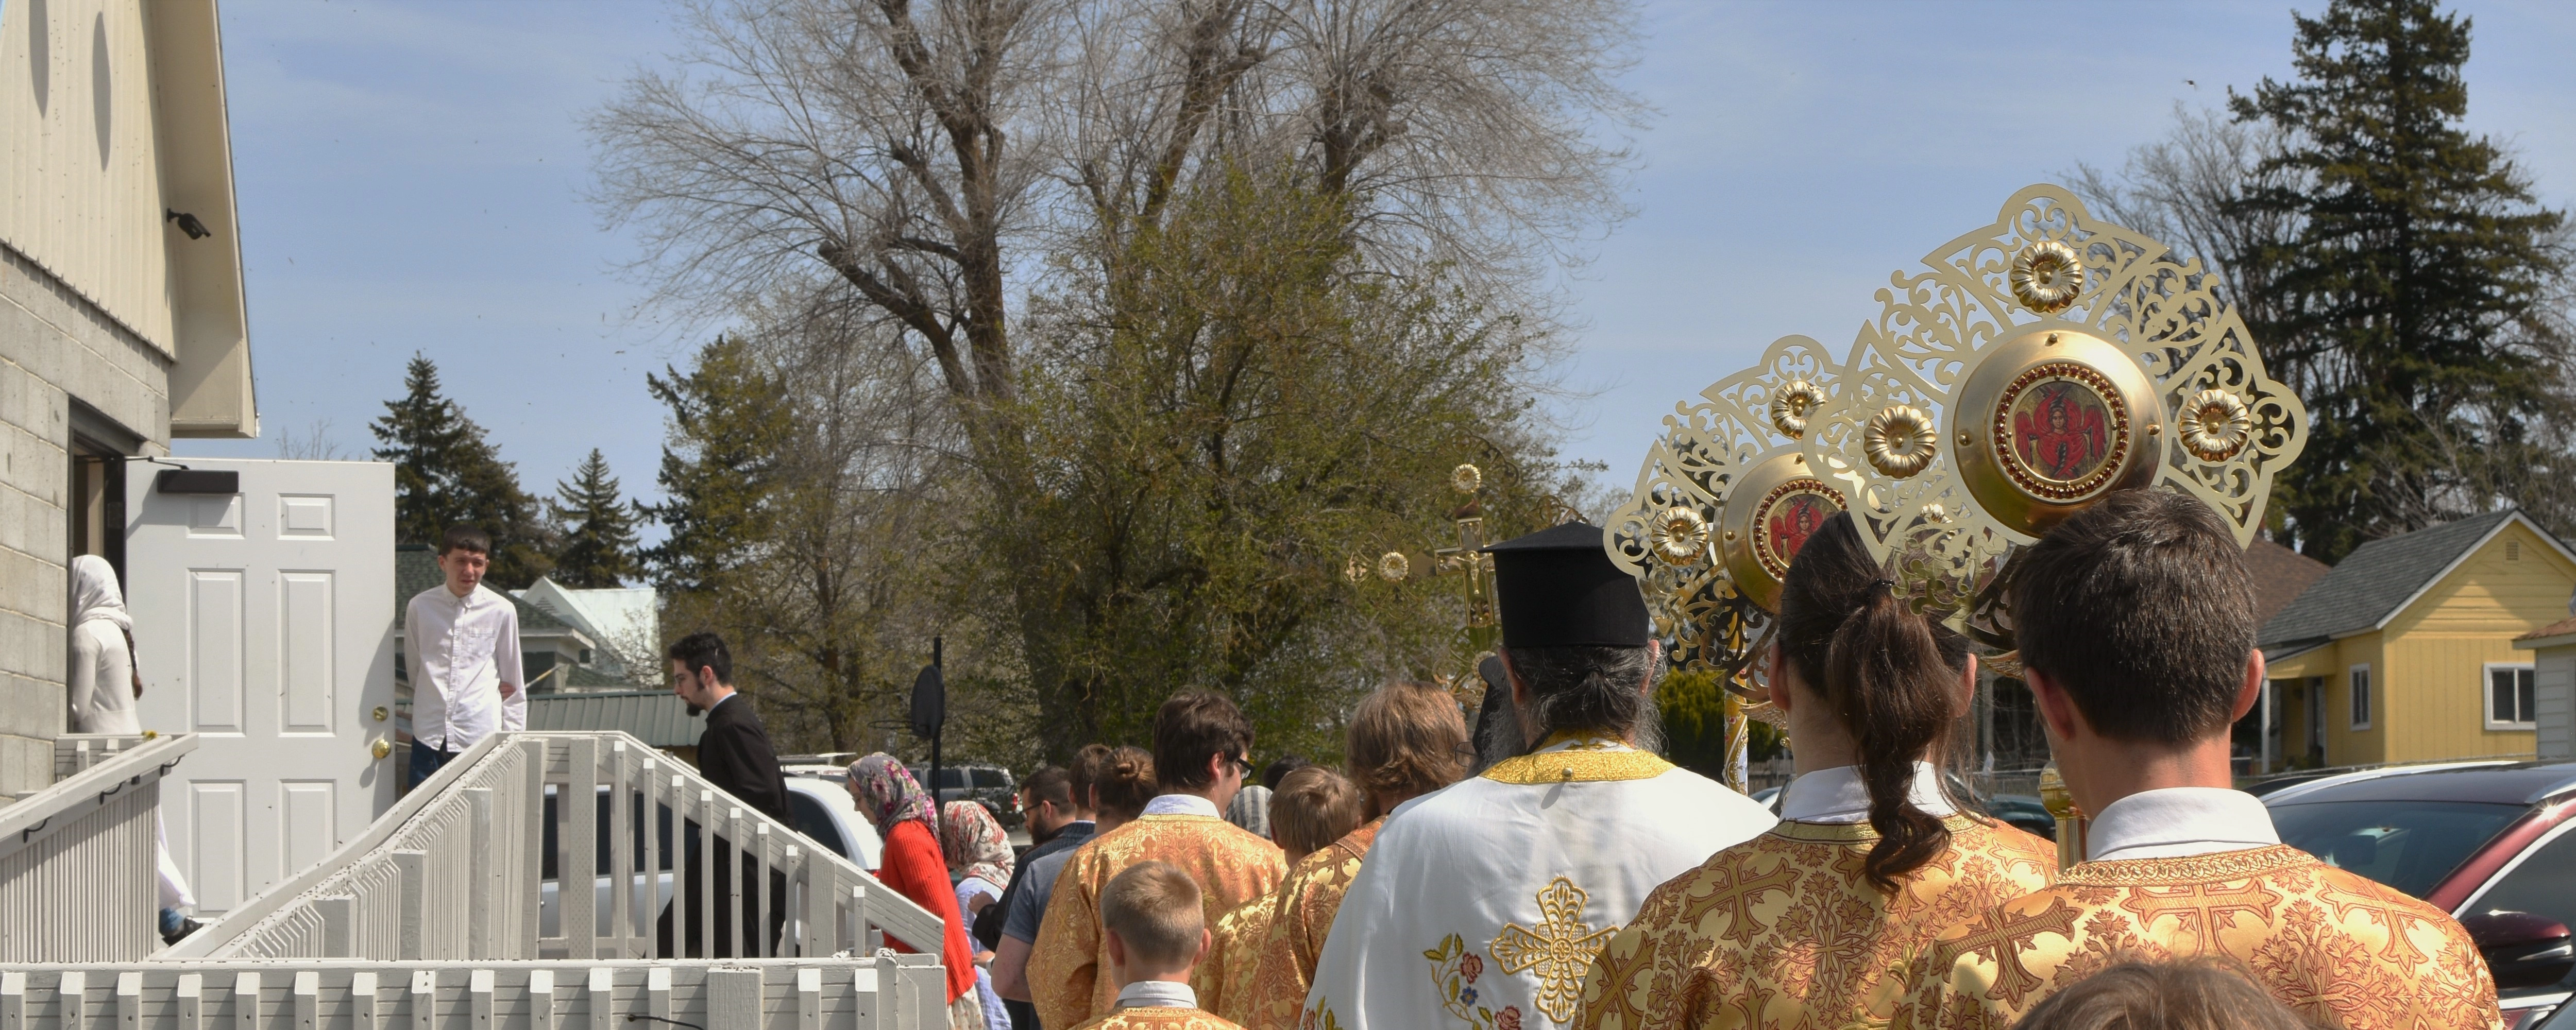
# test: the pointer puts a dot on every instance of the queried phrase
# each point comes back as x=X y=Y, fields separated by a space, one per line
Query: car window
x=813 y=821
x=2408 y=845
x=2543 y=885
x=992 y=778
x=952 y=778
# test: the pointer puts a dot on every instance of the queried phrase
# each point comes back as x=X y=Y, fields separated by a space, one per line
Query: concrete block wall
x=55 y=346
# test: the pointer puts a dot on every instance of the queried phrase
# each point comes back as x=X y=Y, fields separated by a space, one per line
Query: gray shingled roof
x=2370 y=583
x=657 y=716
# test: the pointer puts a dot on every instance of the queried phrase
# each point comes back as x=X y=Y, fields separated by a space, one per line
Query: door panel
x=213 y=853
x=263 y=620
x=304 y=651
x=214 y=649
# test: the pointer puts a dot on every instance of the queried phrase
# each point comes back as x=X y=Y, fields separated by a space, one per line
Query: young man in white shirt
x=461 y=645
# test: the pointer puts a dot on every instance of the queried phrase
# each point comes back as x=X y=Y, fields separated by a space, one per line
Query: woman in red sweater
x=891 y=800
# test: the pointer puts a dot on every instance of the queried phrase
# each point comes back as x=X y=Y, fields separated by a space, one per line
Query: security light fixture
x=188 y=223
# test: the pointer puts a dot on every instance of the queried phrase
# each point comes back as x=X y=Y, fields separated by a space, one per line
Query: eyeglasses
x=1242 y=767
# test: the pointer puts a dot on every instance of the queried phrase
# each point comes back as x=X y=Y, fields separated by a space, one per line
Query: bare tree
x=315 y=443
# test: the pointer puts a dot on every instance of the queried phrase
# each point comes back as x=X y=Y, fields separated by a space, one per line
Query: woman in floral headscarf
x=979 y=860
x=892 y=801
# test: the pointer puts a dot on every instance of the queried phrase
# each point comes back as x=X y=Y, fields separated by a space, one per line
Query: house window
x=2361 y=697
x=2510 y=697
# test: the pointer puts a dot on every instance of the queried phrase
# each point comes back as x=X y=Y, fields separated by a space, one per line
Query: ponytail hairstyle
x=1126 y=782
x=1886 y=673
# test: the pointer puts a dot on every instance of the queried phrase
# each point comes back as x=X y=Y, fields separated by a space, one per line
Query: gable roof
x=2280 y=576
x=2380 y=578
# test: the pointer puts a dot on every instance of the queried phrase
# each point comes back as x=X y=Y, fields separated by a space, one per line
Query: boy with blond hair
x=1312 y=808
x=1155 y=935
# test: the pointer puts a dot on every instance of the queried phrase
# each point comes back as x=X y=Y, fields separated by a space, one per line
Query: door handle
x=381 y=747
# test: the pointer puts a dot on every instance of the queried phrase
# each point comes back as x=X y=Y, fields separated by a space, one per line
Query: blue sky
x=411 y=178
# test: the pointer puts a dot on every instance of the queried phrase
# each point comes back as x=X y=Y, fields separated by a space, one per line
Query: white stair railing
x=78 y=876
x=455 y=871
x=887 y=992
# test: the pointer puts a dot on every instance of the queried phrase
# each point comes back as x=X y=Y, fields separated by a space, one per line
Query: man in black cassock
x=734 y=753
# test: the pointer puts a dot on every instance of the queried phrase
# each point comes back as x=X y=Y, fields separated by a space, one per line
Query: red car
x=2488 y=842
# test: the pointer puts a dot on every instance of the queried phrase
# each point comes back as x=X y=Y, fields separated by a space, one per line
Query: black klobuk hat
x=1558 y=588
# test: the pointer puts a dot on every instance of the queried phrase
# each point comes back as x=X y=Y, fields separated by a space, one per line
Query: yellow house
x=2405 y=652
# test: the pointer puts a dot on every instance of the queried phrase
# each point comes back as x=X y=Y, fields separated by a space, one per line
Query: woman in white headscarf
x=104 y=689
x=103 y=685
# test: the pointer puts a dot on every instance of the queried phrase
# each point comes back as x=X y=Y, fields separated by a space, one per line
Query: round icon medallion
x=2062 y=430
x=1788 y=515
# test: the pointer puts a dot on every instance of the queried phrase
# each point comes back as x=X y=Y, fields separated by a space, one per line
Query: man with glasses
x=1202 y=752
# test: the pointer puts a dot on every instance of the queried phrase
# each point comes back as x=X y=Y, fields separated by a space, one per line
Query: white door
x=263 y=621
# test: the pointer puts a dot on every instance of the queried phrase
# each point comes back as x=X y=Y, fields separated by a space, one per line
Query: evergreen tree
x=2409 y=306
x=446 y=474
x=728 y=431
x=598 y=529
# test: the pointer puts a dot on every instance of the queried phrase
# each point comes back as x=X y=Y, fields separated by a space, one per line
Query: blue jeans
x=426 y=761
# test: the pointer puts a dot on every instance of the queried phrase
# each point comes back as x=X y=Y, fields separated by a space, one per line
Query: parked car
x=2492 y=843
x=988 y=785
x=2023 y=812
x=819 y=798
x=815 y=797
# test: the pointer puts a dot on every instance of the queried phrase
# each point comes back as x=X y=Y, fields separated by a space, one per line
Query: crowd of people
x=1573 y=878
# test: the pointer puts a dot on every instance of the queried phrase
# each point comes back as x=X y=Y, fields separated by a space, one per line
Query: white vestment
x=1482 y=905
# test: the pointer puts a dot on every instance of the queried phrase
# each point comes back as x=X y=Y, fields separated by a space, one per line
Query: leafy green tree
x=598 y=529
x=1235 y=405
x=1694 y=711
x=2411 y=305
x=446 y=474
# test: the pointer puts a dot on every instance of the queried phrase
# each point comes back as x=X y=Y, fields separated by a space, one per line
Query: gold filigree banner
x=2095 y=357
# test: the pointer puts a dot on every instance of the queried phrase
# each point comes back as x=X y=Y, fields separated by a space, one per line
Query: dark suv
x=2491 y=843
x=988 y=785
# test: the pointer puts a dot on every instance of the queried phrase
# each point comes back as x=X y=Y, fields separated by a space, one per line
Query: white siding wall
x=2555 y=680
x=80 y=178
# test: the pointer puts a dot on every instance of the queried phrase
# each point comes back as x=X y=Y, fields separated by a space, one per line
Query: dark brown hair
x=1886 y=672
x=2141 y=608
x=465 y=538
x=1406 y=739
x=1192 y=726
x=2184 y=994
x=1051 y=784
x=1126 y=782
x=1085 y=772
x=1312 y=808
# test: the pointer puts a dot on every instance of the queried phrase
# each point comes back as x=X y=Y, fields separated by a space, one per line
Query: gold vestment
x=1068 y=970
x=1154 y=1018
x=1223 y=981
x=2339 y=949
x=1785 y=931
x=1307 y=903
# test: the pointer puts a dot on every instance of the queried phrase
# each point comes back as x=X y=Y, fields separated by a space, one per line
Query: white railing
x=455 y=871
x=78 y=877
x=886 y=992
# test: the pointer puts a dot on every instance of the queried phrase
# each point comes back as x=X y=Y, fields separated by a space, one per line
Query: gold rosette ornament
x=2028 y=369
x=1900 y=441
x=1393 y=566
x=2215 y=425
x=1790 y=409
x=1681 y=535
x=1466 y=479
x=2047 y=276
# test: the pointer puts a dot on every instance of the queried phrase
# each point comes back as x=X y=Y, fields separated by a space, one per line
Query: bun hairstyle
x=1886 y=672
x=1126 y=782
